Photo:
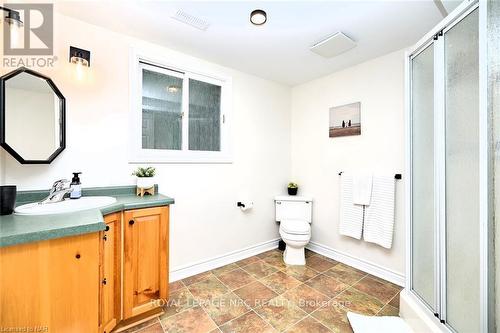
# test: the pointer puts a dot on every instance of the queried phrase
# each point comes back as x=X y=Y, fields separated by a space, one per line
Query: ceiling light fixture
x=258 y=17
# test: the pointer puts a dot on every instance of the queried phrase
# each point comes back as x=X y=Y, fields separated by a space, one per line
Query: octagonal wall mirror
x=32 y=117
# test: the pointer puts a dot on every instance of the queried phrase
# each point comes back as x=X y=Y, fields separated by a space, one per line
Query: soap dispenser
x=76 y=186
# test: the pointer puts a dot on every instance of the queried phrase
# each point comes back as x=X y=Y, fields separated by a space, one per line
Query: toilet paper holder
x=245 y=205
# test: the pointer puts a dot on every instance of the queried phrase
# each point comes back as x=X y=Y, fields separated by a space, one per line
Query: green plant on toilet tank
x=292 y=188
x=145 y=177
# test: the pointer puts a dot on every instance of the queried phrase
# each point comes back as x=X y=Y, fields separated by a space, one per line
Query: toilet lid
x=297 y=227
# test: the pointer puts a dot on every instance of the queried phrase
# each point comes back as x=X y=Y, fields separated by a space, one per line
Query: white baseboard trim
x=365 y=266
x=182 y=272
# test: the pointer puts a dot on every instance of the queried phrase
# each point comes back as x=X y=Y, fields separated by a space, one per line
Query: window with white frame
x=179 y=116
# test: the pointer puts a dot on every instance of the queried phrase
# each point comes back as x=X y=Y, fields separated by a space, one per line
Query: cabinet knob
x=107 y=228
x=105 y=237
x=104 y=281
x=78 y=256
x=131 y=222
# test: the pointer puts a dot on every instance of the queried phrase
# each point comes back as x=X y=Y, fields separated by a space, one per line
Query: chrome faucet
x=60 y=189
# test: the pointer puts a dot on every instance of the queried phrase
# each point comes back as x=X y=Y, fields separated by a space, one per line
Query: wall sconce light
x=13 y=20
x=79 y=56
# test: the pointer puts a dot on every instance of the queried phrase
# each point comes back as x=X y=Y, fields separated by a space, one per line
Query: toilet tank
x=293 y=207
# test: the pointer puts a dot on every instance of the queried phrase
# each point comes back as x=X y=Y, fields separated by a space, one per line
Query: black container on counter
x=7 y=199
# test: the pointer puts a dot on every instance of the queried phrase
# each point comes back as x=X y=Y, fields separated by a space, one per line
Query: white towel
x=351 y=215
x=379 y=215
x=376 y=324
x=362 y=188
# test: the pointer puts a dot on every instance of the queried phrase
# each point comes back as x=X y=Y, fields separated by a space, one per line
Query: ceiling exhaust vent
x=191 y=20
x=333 y=45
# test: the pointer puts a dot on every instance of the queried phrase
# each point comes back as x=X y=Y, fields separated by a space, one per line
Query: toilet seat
x=295 y=227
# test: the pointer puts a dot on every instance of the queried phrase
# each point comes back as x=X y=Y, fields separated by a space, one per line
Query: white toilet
x=295 y=216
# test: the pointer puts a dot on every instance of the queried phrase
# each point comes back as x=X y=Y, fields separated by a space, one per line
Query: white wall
x=205 y=221
x=317 y=159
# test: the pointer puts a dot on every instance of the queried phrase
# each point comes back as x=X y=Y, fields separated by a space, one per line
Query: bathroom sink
x=65 y=206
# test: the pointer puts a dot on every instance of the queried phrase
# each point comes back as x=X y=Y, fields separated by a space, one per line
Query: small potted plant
x=292 y=188
x=145 y=177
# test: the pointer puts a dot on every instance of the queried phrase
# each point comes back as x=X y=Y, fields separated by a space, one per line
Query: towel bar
x=396 y=176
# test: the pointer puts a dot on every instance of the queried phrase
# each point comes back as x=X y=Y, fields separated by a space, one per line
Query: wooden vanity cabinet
x=110 y=277
x=51 y=285
x=145 y=271
x=91 y=283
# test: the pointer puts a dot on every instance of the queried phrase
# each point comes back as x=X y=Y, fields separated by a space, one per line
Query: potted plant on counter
x=293 y=188
x=145 y=177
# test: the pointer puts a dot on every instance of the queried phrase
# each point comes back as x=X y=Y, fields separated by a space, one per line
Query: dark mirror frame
x=62 y=110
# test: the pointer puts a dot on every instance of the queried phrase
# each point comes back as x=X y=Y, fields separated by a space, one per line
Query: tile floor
x=262 y=294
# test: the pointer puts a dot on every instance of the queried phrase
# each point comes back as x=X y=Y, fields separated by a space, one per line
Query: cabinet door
x=109 y=311
x=51 y=285
x=145 y=259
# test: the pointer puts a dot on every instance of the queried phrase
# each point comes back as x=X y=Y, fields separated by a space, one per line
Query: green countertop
x=19 y=229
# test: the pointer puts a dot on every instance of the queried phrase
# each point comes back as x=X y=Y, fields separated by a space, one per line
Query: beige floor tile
x=259 y=269
x=306 y=298
x=208 y=289
x=395 y=301
x=175 y=286
x=225 y=308
x=155 y=328
x=280 y=295
x=255 y=294
x=301 y=273
x=178 y=302
x=309 y=253
x=280 y=313
x=141 y=326
x=319 y=264
x=345 y=274
x=268 y=253
x=236 y=278
x=308 y=325
x=395 y=286
x=247 y=261
x=327 y=285
x=376 y=288
x=280 y=282
x=196 y=278
x=224 y=269
x=334 y=317
x=193 y=320
x=388 y=310
x=275 y=261
x=359 y=302
x=248 y=323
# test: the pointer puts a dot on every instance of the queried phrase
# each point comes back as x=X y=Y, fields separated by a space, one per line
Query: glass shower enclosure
x=449 y=164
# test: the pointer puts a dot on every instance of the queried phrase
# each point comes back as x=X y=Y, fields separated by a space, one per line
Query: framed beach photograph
x=345 y=120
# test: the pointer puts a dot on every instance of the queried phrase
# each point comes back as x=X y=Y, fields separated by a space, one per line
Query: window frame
x=138 y=62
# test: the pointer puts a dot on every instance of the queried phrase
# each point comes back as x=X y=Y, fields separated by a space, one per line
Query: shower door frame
x=439 y=239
